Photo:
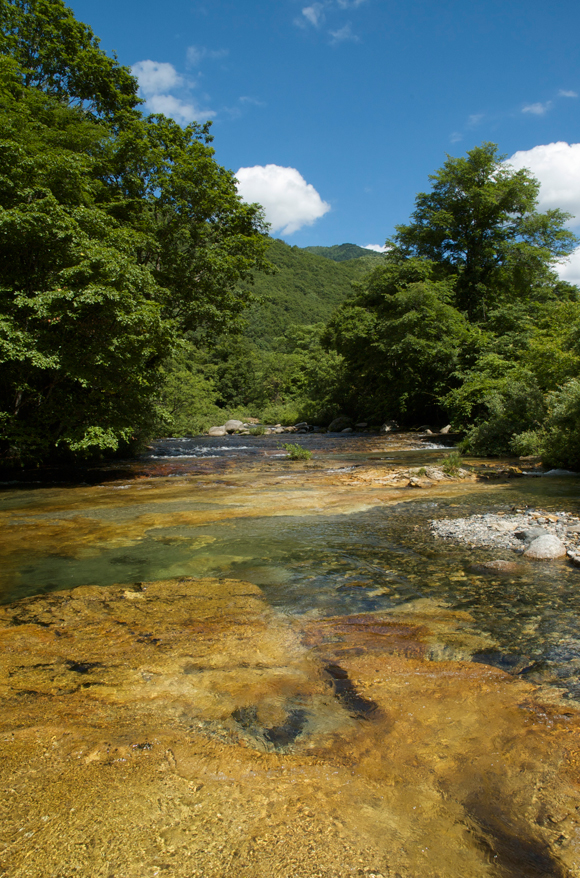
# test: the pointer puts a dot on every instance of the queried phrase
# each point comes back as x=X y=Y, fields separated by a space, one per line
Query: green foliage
x=528 y=443
x=118 y=235
x=305 y=288
x=452 y=463
x=258 y=430
x=401 y=341
x=297 y=452
x=61 y=56
x=187 y=397
x=480 y=223
x=561 y=441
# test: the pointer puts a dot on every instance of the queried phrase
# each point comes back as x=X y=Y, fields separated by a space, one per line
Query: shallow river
x=316 y=684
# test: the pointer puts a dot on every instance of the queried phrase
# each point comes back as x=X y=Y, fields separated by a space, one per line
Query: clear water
x=317 y=564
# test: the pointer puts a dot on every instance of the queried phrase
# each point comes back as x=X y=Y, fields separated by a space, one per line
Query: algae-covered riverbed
x=218 y=662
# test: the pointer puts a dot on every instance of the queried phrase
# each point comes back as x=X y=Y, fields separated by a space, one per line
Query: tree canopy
x=118 y=235
x=465 y=317
x=480 y=223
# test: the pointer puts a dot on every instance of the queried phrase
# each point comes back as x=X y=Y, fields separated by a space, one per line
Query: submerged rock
x=499 y=566
x=545 y=548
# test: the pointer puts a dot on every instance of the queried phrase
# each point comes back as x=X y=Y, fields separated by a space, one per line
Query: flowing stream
x=338 y=557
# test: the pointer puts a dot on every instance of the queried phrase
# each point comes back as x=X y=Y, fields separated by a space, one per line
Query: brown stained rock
x=184 y=728
x=498 y=566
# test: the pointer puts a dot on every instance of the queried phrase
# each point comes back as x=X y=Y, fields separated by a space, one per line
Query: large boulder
x=545 y=548
x=233 y=425
x=216 y=431
x=339 y=424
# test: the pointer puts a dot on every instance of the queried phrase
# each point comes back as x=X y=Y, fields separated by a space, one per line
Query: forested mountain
x=306 y=287
x=343 y=252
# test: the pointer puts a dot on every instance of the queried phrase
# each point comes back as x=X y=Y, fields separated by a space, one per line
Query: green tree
x=115 y=241
x=401 y=340
x=61 y=56
x=479 y=223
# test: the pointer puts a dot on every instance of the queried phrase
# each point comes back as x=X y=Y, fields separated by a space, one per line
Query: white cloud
x=156 y=82
x=288 y=200
x=196 y=54
x=376 y=247
x=537 y=109
x=344 y=33
x=182 y=111
x=314 y=14
x=564 y=93
x=557 y=167
x=570 y=269
x=350 y=4
x=156 y=77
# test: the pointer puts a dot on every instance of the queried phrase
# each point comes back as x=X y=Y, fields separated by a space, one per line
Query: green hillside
x=343 y=252
x=306 y=288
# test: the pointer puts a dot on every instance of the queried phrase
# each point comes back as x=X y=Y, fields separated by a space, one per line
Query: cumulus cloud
x=288 y=200
x=537 y=109
x=378 y=248
x=156 y=77
x=157 y=80
x=342 y=34
x=557 y=167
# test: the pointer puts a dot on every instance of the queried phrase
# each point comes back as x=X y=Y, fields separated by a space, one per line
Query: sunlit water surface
x=315 y=564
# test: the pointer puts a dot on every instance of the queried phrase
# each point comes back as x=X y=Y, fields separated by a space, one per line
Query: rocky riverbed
x=534 y=533
x=233 y=665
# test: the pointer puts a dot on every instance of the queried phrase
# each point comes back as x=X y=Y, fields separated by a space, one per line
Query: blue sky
x=339 y=109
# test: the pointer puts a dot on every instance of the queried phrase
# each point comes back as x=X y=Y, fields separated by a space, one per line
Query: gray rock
x=530 y=533
x=232 y=426
x=574 y=556
x=347 y=430
x=339 y=424
x=575 y=529
x=361 y=426
x=545 y=548
x=216 y=431
x=445 y=430
x=303 y=425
